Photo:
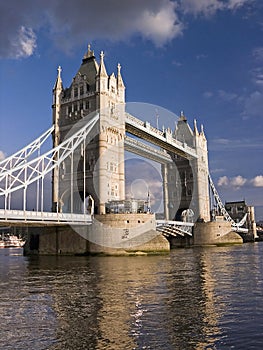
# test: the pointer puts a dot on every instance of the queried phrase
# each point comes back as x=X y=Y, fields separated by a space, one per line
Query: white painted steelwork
x=236 y=226
x=21 y=175
x=21 y=156
x=174 y=228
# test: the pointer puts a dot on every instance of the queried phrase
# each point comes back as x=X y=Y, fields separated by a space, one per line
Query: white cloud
x=253 y=105
x=221 y=144
x=223 y=181
x=227 y=96
x=204 y=7
x=2 y=155
x=201 y=56
x=234 y=182
x=176 y=63
x=258 y=53
x=239 y=181
x=70 y=23
x=217 y=170
x=222 y=141
x=210 y=7
x=208 y=94
x=235 y=4
x=161 y=26
x=257 y=76
x=257 y=181
x=25 y=43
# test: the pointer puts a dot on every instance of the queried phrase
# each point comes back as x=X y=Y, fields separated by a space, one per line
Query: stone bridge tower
x=186 y=180
x=92 y=90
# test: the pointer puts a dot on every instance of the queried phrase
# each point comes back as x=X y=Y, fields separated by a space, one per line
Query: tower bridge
x=90 y=132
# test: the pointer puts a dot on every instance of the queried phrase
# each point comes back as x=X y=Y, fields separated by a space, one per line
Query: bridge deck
x=21 y=217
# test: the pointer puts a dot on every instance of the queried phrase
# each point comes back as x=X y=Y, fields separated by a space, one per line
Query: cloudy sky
x=204 y=57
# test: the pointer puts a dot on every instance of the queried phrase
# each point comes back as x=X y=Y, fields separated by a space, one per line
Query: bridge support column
x=252 y=227
x=165 y=192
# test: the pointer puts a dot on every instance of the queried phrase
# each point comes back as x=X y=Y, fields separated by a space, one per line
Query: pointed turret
x=57 y=96
x=195 y=128
x=102 y=69
x=58 y=84
x=202 y=130
x=120 y=85
x=102 y=79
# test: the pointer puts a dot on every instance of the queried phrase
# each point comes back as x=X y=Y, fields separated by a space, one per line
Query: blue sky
x=204 y=57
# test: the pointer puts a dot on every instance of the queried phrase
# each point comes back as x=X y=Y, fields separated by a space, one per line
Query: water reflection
x=133 y=303
x=190 y=299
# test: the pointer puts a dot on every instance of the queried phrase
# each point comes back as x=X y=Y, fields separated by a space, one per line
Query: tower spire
x=89 y=53
x=119 y=77
x=102 y=68
x=195 y=127
x=58 y=83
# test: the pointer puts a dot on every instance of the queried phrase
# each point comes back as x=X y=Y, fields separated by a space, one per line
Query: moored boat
x=11 y=241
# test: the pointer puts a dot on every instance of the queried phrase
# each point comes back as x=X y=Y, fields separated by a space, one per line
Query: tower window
x=81 y=90
x=76 y=91
x=87 y=87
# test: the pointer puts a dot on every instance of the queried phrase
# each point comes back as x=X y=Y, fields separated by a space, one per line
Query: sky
x=204 y=57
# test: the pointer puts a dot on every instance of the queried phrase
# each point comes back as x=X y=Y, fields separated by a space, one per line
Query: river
x=196 y=298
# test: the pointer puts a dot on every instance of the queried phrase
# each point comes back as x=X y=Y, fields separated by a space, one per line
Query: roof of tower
x=89 y=66
x=88 y=70
x=183 y=132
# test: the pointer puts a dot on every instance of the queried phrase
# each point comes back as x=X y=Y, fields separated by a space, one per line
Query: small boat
x=11 y=241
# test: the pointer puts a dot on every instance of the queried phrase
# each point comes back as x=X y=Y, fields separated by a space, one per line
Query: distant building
x=236 y=210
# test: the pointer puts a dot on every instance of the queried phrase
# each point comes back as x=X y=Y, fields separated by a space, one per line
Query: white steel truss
x=235 y=225
x=21 y=156
x=21 y=175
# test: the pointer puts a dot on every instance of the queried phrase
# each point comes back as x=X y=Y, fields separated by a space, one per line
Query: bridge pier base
x=215 y=233
x=110 y=234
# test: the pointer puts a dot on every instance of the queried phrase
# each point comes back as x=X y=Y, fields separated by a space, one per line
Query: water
x=201 y=298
